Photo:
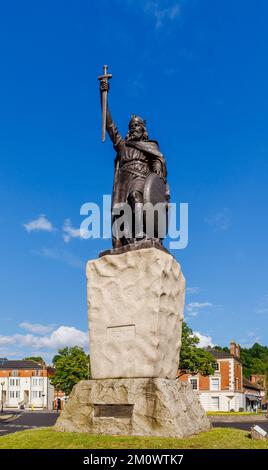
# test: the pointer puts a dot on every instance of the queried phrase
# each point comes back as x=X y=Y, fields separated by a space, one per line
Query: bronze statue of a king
x=140 y=176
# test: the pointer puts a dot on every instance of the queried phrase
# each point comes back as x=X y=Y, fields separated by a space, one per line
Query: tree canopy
x=71 y=366
x=38 y=359
x=194 y=360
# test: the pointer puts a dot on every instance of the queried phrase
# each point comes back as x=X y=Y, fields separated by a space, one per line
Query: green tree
x=255 y=360
x=194 y=360
x=71 y=366
x=38 y=359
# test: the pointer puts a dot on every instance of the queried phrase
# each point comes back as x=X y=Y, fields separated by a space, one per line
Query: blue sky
x=197 y=71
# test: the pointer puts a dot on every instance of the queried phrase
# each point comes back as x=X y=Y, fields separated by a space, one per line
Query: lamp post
x=43 y=375
x=2 y=397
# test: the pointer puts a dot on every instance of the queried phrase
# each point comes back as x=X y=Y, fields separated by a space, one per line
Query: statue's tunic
x=133 y=162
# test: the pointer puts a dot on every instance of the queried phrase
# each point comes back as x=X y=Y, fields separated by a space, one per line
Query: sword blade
x=104 y=112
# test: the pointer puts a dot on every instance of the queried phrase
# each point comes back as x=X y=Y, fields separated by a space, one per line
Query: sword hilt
x=105 y=75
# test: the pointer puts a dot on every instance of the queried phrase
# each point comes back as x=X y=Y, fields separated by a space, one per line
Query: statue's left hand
x=158 y=168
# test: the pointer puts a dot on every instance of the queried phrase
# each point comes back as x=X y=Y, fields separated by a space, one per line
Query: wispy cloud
x=37 y=328
x=204 y=340
x=70 y=232
x=39 y=224
x=262 y=308
x=61 y=255
x=251 y=338
x=220 y=220
x=163 y=12
x=193 y=308
x=193 y=290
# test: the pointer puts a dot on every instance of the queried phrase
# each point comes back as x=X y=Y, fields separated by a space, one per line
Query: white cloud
x=193 y=290
x=71 y=232
x=65 y=336
x=193 y=308
x=37 y=328
x=204 y=340
x=39 y=224
x=59 y=338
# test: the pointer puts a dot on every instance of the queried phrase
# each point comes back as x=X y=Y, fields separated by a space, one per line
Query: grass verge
x=47 y=438
x=231 y=413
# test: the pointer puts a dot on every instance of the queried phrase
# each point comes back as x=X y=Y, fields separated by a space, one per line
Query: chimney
x=234 y=349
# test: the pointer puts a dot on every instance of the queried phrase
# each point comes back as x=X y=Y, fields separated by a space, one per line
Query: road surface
x=33 y=420
x=27 y=420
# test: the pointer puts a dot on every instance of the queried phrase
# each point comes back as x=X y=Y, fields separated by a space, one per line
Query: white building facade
x=26 y=384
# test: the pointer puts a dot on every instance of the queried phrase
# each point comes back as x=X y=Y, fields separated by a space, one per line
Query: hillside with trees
x=254 y=359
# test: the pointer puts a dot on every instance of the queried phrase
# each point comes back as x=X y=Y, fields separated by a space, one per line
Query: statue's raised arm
x=107 y=121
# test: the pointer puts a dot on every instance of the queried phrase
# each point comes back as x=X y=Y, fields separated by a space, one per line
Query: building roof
x=248 y=384
x=222 y=354
x=20 y=364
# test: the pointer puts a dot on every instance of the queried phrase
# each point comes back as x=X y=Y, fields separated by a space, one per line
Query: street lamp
x=2 y=397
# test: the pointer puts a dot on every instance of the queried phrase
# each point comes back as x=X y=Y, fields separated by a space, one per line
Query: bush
x=232 y=411
x=241 y=409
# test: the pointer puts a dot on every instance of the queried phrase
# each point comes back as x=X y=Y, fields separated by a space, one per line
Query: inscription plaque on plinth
x=113 y=411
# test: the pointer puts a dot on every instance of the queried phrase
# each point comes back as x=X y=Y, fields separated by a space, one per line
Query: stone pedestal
x=138 y=407
x=135 y=308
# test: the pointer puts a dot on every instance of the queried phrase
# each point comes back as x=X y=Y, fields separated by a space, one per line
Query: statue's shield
x=154 y=189
x=156 y=194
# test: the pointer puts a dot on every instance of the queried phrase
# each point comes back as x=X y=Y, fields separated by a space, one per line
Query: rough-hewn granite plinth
x=137 y=407
x=135 y=310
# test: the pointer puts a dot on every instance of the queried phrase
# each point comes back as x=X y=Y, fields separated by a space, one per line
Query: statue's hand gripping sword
x=104 y=77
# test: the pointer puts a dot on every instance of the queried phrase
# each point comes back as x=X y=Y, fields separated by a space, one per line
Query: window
x=34 y=382
x=14 y=382
x=12 y=394
x=215 y=403
x=217 y=366
x=40 y=382
x=214 y=384
x=17 y=394
x=34 y=394
x=194 y=384
x=15 y=373
x=37 y=372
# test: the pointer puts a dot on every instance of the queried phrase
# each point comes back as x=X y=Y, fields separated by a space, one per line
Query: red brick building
x=222 y=391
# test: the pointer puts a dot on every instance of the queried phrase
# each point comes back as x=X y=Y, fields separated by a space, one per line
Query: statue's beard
x=134 y=136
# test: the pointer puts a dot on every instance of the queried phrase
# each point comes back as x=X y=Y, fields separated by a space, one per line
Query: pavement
x=238 y=419
x=245 y=426
x=27 y=420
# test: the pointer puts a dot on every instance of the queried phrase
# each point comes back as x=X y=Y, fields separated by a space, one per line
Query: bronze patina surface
x=137 y=158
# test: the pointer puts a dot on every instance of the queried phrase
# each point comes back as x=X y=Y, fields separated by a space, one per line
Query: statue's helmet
x=137 y=119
